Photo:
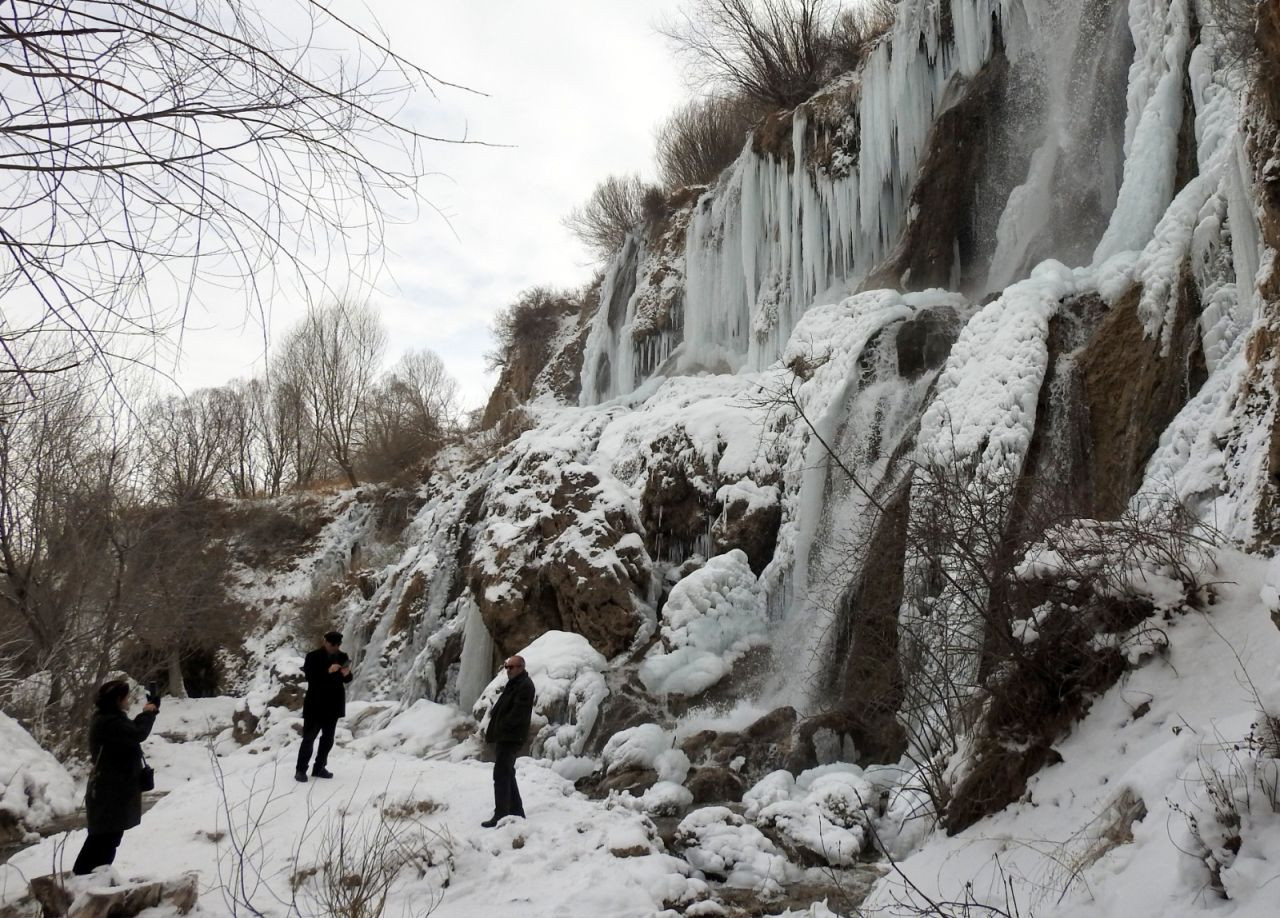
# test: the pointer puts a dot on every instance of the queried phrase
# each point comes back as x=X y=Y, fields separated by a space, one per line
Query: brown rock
x=634 y=781
x=244 y=725
x=754 y=529
x=1132 y=392
x=679 y=499
x=943 y=198
x=128 y=900
x=632 y=851
x=772 y=742
x=52 y=893
x=715 y=784
x=549 y=576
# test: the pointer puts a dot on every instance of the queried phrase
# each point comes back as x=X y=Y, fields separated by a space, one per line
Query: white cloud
x=575 y=87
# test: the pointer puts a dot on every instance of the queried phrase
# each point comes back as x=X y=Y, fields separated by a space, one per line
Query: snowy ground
x=572 y=857
x=1173 y=733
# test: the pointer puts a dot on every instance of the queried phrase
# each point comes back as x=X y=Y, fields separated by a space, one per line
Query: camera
x=153 y=694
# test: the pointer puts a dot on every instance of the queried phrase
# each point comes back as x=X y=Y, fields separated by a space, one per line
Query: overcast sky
x=576 y=88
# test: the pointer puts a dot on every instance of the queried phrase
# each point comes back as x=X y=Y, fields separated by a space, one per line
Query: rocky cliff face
x=1018 y=270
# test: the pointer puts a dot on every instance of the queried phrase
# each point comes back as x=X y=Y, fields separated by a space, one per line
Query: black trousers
x=311 y=728
x=506 y=795
x=99 y=849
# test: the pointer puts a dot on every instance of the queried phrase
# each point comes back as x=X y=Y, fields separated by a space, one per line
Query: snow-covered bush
x=1232 y=813
x=713 y=616
x=567 y=673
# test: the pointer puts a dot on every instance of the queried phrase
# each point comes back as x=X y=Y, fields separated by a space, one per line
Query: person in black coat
x=508 y=729
x=328 y=671
x=113 y=798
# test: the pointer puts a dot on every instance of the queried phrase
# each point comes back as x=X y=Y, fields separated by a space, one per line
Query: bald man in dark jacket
x=508 y=730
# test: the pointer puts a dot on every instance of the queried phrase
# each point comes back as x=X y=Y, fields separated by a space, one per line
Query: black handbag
x=146 y=777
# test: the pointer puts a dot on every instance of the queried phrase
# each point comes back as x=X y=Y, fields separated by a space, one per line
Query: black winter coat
x=326 y=692
x=509 y=719
x=113 y=798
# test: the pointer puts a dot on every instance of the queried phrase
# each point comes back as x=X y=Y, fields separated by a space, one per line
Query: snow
x=711 y=619
x=562 y=857
x=774 y=358
x=34 y=787
x=721 y=844
x=636 y=747
x=1162 y=733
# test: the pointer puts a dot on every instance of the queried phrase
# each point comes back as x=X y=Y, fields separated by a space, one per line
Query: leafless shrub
x=1246 y=34
x=702 y=138
x=360 y=861
x=317 y=613
x=409 y=418
x=612 y=211
x=1236 y=779
x=776 y=52
x=857 y=31
x=525 y=328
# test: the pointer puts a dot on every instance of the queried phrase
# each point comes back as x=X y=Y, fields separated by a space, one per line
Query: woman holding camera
x=114 y=796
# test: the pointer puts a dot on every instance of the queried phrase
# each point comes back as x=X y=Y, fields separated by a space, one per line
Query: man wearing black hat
x=328 y=671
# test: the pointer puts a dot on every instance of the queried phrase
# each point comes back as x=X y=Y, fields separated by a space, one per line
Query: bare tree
x=333 y=357
x=615 y=208
x=410 y=415
x=188 y=443
x=145 y=145
x=66 y=470
x=244 y=455
x=292 y=426
x=701 y=138
x=777 y=52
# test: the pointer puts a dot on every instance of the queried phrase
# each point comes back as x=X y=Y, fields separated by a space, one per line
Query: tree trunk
x=177 y=688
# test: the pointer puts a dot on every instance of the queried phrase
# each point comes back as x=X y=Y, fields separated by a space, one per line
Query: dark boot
x=321 y=772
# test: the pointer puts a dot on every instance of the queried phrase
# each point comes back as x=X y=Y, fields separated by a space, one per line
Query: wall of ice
x=773 y=238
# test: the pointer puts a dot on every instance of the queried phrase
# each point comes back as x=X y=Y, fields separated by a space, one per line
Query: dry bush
x=526 y=327
x=702 y=138
x=777 y=52
x=409 y=419
x=857 y=31
x=614 y=209
x=1238 y=779
x=360 y=862
x=316 y=614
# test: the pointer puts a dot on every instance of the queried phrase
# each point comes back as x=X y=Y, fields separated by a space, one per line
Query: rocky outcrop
x=772 y=742
x=544 y=357
x=679 y=499
x=938 y=247
x=749 y=520
x=1132 y=391
x=98 y=896
x=574 y=562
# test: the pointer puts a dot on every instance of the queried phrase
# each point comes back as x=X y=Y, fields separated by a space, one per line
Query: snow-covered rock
x=34 y=786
